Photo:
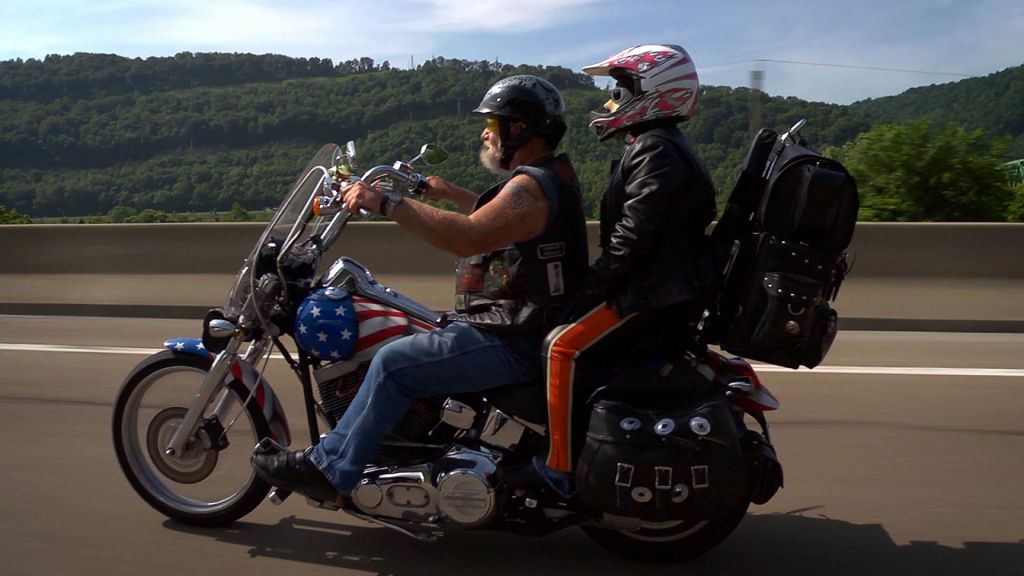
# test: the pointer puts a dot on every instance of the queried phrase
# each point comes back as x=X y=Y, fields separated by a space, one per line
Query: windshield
x=291 y=224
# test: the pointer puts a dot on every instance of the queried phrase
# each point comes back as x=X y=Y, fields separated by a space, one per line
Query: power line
x=879 y=68
x=829 y=65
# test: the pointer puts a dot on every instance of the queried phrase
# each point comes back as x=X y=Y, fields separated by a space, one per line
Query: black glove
x=576 y=306
x=596 y=289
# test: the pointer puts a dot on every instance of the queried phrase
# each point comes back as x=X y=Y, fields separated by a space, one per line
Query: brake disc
x=194 y=464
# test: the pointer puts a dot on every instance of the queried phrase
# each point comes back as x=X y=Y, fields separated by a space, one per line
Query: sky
x=822 y=50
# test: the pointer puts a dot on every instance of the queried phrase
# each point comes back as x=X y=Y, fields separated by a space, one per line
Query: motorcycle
x=667 y=470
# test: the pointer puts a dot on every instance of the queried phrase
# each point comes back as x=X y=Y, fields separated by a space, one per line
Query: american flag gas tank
x=338 y=383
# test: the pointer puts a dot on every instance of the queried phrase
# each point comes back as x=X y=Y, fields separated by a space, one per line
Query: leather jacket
x=654 y=214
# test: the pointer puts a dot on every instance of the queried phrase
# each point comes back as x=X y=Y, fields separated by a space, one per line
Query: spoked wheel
x=211 y=482
x=667 y=541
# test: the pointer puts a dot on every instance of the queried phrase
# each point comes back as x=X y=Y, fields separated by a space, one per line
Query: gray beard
x=491 y=160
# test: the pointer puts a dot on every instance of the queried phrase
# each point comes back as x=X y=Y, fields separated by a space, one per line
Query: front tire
x=212 y=483
x=667 y=541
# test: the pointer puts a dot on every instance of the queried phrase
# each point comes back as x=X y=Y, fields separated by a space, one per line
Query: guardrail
x=904 y=275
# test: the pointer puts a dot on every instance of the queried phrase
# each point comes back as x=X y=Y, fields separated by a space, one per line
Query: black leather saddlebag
x=665 y=463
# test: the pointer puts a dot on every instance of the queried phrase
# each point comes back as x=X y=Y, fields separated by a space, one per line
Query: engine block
x=454 y=489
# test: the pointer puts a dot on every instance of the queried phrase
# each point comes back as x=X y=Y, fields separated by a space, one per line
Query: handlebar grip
x=362 y=211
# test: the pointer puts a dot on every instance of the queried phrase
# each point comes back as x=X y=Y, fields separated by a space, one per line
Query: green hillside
x=992 y=103
x=83 y=134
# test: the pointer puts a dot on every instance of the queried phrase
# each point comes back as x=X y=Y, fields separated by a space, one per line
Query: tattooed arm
x=517 y=213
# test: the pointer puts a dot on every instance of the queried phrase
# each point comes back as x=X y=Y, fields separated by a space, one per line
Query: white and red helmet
x=654 y=81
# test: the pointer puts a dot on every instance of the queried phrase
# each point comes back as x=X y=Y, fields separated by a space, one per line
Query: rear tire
x=667 y=541
x=177 y=487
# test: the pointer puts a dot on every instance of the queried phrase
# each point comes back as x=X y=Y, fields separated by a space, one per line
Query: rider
x=645 y=286
x=523 y=250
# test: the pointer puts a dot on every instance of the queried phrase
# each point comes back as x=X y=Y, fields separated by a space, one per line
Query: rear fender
x=735 y=369
x=253 y=381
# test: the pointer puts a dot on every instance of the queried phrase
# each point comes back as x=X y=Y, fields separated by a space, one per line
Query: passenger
x=643 y=290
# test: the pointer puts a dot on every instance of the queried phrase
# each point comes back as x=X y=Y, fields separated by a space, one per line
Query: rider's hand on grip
x=361 y=212
x=359 y=194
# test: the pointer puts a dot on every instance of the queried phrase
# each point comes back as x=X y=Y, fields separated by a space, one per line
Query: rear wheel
x=667 y=541
x=211 y=483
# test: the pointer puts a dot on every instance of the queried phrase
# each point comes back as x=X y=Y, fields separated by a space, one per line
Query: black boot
x=535 y=477
x=293 y=471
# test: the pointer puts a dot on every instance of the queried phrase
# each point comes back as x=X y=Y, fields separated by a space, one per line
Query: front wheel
x=212 y=482
x=667 y=541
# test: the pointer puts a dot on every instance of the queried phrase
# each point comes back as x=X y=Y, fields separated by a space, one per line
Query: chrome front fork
x=212 y=383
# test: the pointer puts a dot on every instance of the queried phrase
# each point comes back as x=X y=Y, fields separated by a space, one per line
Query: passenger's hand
x=577 y=306
x=359 y=195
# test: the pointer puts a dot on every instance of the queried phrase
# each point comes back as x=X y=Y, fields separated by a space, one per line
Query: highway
x=903 y=454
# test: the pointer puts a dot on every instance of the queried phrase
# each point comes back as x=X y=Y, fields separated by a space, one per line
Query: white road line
x=862 y=370
x=62 y=348
x=897 y=370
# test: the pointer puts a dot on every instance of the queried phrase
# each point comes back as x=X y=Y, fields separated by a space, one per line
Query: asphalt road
x=904 y=454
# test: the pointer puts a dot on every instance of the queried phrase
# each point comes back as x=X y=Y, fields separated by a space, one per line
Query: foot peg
x=268 y=446
x=278 y=495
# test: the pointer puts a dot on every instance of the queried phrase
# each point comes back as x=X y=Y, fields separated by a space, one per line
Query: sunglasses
x=492 y=124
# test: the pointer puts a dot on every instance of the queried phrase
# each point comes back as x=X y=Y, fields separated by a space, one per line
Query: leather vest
x=521 y=288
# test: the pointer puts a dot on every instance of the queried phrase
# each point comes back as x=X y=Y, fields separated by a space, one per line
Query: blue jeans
x=458 y=358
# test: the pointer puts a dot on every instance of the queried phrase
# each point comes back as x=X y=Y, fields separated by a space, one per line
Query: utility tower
x=756 y=91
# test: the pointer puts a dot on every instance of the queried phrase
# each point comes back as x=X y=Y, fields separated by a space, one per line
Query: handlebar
x=400 y=171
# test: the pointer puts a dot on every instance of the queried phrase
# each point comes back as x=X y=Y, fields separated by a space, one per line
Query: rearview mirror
x=350 y=150
x=430 y=154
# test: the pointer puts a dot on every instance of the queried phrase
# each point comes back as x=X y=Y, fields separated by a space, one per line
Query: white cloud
x=724 y=38
x=232 y=23
x=494 y=16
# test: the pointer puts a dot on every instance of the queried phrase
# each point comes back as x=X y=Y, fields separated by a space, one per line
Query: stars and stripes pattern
x=325 y=325
x=265 y=398
x=378 y=325
x=189 y=345
x=251 y=378
x=333 y=325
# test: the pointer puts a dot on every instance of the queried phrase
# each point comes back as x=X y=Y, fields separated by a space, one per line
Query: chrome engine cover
x=455 y=489
x=466 y=495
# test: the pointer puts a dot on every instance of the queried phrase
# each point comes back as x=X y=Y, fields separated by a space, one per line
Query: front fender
x=253 y=381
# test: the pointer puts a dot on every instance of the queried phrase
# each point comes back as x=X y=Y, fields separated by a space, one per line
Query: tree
x=12 y=216
x=238 y=214
x=148 y=216
x=913 y=172
x=1015 y=209
x=119 y=214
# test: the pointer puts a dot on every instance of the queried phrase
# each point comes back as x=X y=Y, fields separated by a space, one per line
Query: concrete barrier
x=905 y=276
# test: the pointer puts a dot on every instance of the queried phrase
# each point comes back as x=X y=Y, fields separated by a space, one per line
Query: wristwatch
x=389 y=202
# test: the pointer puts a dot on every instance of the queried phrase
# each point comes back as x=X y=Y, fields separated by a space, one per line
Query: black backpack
x=781 y=246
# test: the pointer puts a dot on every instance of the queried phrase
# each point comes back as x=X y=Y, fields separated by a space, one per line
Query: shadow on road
x=771 y=544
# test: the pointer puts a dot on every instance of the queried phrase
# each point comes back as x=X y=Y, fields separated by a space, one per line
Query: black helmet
x=528 y=99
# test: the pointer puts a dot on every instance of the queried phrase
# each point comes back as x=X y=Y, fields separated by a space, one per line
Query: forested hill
x=992 y=103
x=86 y=133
